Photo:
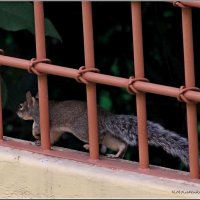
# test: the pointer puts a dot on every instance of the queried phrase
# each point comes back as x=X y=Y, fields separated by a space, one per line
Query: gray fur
x=115 y=131
x=124 y=127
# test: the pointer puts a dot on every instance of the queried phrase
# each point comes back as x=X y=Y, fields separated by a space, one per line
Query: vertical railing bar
x=139 y=73
x=91 y=87
x=42 y=79
x=190 y=82
x=1 y=117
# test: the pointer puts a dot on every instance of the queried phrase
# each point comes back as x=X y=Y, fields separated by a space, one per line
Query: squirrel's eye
x=21 y=106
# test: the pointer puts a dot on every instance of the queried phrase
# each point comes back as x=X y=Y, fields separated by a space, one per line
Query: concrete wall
x=30 y=175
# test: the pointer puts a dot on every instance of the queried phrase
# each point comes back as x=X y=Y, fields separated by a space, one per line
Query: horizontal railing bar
x=191 y=3
x=141 y=86
x=41 y=67
x=188 y=3
x=99 y=78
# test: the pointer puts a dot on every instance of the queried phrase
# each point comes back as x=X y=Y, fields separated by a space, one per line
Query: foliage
x=18 y=16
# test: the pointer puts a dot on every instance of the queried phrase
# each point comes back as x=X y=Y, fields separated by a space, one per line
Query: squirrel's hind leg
x=55 y=136
x=120 y=153
x=114 y=144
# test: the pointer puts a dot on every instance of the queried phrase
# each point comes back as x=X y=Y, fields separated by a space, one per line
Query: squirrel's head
x=28 y=109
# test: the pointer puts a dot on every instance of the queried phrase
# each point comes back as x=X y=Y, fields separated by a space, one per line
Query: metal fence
x=137 y=84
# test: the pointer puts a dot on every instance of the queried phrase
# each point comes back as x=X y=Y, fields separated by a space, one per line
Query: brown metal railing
x=190 y=82
x=42 y=79
x=139 y=73
x=137 y=84
x=91 y=87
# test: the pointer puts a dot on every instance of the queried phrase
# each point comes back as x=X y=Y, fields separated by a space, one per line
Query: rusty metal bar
x=188 y=3
x=191 y=3
x=98 y=78
x=1 y=118
x=91 y=87
x=190 y=82
x=139 y=73
x=42 y=79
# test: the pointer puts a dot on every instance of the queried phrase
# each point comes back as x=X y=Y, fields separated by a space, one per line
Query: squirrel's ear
x=29 y=98
x=33 y=101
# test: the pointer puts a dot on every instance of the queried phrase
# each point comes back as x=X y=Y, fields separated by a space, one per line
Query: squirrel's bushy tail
x=124 y=127
x=170 y=141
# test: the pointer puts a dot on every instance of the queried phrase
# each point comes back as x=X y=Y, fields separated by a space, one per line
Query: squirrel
x=115 y=131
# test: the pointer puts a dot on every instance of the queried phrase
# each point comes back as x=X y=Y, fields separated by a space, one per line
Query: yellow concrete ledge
x=29 y=175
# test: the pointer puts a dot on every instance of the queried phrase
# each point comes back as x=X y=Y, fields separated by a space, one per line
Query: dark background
x=163 y=54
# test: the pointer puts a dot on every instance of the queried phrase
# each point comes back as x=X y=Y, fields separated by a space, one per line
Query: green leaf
x=115 y=68
x=50 y=30
x=15 y=16
x=126 y=96
x=105 y=100
x=168 y=13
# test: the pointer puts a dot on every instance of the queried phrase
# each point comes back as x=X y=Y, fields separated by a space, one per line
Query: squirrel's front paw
x=86 y=146
x=112 y=155
x=37 y=143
